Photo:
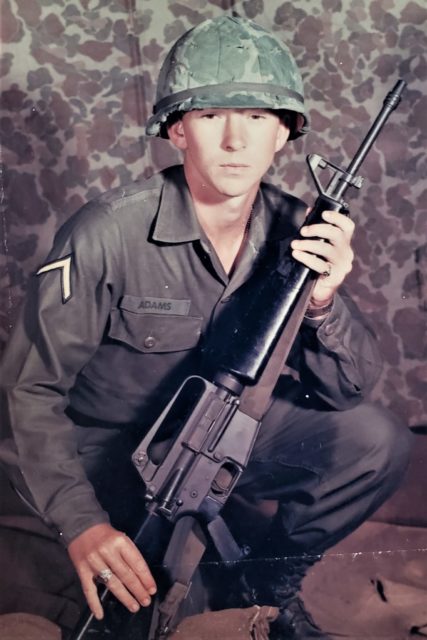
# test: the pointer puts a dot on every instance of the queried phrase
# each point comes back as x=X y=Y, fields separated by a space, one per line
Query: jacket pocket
x=155 y=333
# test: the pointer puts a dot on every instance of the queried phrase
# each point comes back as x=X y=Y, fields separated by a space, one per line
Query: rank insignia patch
x=64 y=266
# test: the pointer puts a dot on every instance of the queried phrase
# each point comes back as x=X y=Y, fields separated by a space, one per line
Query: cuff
x=315 y=317
x=75 y=516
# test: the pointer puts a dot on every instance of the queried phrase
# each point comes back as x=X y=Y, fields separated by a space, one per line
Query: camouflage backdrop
x=78 y=79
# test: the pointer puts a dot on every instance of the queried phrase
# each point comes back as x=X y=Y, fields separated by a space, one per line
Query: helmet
x=228 y=62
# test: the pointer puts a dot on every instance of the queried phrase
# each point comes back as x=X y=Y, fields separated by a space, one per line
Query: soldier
x=119 y=313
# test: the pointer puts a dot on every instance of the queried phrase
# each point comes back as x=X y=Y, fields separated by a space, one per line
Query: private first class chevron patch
x=64 y=266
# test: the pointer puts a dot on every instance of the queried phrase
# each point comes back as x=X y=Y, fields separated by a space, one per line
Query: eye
x=208 y=115
x=257 y=116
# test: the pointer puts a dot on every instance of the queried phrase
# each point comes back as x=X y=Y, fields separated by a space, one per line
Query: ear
x=177 y=135
x=282 y=137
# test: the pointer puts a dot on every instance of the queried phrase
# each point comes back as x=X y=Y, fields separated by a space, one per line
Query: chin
x=236 y=189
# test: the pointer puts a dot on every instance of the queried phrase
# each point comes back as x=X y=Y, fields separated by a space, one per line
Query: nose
x=234 y=135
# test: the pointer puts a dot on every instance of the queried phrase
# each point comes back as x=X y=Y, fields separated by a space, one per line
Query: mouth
x=234 y=165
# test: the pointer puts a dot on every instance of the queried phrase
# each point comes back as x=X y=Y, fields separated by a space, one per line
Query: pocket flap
x=155 y=333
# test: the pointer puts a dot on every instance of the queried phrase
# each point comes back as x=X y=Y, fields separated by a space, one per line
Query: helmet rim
x=227 y=96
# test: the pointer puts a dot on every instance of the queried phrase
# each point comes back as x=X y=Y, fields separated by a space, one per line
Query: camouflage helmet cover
x=228 y=62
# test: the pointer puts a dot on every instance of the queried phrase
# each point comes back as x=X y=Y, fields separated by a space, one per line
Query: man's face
x=227 y=151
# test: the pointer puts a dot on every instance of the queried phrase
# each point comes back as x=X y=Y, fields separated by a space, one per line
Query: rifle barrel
x=391 y=101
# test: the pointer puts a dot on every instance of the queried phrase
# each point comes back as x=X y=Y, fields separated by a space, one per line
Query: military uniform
x=118 y=316
x=114 y=320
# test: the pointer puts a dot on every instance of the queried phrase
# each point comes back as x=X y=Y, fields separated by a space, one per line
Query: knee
x=385 y=440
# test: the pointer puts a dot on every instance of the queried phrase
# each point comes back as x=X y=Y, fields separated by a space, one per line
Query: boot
x=277 y=582
x=274 y=580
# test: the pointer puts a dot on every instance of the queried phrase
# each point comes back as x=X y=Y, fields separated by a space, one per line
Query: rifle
x=194 y=454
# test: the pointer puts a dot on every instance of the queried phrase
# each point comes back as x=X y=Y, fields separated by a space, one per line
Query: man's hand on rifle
x=332 y=259
x=102 y=550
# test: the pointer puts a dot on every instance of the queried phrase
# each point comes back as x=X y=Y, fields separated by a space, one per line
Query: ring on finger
x=105 y=575
x=327 y=272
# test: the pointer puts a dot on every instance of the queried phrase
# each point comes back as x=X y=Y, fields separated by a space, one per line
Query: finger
x=329 y=230
x=126 y=576
x=134 y=559
x=315 y=247
x=91 y=592
x=115 y=582
x=311 y=261
x=325 y=231
x=336 y=273
x=339 y=220
x=129 y=569
x=120 y=591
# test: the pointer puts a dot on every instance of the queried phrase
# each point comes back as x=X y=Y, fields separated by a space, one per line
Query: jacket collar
x=273 y=218
x=176 y=220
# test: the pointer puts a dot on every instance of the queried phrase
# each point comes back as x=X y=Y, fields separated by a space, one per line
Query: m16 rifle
x=193 y=456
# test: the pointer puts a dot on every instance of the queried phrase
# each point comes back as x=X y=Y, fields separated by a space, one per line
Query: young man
x=118 y=316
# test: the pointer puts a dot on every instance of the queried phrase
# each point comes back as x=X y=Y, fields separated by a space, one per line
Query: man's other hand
x=102 y=548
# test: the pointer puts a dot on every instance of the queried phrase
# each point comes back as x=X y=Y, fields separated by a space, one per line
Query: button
x=329 y=329
x=149 y=342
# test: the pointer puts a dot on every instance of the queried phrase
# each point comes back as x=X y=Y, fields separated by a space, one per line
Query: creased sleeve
x=340 y=361
x=61 y=325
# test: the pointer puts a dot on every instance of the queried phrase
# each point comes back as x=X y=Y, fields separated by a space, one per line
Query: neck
x=221 y=221
x=223 y=217
x=226 y=225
